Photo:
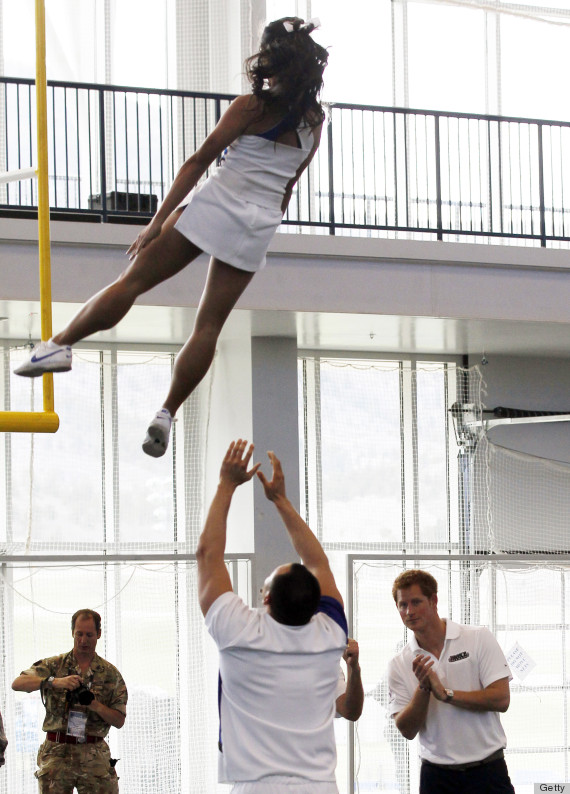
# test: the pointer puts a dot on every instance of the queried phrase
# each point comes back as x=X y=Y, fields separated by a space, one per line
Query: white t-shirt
x=278 y=688
x=471 y=659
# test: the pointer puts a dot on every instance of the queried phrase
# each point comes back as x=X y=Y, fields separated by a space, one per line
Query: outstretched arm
x=349 y=705
x=233 y=123
x=213 y=576
x=304 y=541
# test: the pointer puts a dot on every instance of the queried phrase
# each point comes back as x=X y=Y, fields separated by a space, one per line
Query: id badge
x=77 y=725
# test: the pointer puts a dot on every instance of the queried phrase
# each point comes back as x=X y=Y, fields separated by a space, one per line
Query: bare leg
x=165 y=256
x=224 y=286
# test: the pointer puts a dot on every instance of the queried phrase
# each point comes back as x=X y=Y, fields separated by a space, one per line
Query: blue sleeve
x=335 y=611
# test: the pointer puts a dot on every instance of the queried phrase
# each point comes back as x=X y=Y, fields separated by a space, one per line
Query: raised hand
x=275 y=488
x=235 y=464
x=421 y=666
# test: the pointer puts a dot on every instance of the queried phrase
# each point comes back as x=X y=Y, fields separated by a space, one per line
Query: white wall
x=315 y=273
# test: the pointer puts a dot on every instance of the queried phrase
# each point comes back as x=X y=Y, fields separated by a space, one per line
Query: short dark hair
x=87 y=613
x=426 y=582
x=294 y=596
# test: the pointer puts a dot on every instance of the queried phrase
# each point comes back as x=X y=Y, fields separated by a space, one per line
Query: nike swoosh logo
x=35 y=359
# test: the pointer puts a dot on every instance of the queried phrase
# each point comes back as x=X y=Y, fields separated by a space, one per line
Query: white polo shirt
x=471 y=659
x=278 y=686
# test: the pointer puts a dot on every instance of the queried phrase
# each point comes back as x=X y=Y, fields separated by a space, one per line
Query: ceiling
x=372 y=333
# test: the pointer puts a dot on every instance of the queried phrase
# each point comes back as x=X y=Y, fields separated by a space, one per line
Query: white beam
x=18 y=175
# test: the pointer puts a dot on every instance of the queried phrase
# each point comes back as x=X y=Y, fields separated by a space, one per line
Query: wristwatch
x=49 y=681
x=449 y=693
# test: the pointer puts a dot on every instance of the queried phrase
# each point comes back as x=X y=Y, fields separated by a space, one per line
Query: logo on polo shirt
x=459 y=656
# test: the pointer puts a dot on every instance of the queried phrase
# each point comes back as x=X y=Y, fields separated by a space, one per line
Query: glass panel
x=513 y=602
x=360 y=437
x=45 y=465
x=432 y=469
x=544 y=711
x=432 y=84
x=383 y=757
x=518 y=35
x=145 y=484
x=543 y=655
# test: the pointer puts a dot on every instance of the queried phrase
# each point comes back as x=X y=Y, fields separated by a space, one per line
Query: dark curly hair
x=297 y=63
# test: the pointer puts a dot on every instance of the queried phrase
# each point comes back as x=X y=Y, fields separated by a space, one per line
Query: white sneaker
x=45 y=357
x=158 y=434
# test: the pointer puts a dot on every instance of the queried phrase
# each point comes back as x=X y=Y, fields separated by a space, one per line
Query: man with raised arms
x=279 y=665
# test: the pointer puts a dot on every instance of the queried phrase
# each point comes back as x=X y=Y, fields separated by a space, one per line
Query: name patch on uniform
x=459 y=656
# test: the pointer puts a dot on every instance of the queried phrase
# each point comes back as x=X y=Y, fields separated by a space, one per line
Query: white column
x=400 y=86
x=493 y=98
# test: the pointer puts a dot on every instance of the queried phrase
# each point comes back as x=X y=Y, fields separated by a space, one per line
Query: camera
x=82 y=696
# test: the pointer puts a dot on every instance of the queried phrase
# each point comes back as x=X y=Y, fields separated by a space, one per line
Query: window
x=379 y=458
x=90 y=521
x=391 y=472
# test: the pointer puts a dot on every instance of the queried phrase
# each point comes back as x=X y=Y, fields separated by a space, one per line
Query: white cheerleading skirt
x=222 y=223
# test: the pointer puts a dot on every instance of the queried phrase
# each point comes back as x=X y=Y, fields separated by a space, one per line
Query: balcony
x=380 y=172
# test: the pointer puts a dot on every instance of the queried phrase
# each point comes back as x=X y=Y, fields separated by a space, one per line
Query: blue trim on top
x=335 y=611
x=282 y=126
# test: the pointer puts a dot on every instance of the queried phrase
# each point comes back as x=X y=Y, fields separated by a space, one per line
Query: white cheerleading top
x=258 y=169
x=234 y=214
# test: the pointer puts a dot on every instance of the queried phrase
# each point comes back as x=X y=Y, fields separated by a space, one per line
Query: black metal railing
x=114 y=152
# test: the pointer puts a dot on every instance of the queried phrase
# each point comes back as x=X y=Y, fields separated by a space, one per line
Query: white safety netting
x=395 y=463
x=398 y=463
x=72 y=499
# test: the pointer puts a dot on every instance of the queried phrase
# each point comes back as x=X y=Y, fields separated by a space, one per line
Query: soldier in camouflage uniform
x=74 y=754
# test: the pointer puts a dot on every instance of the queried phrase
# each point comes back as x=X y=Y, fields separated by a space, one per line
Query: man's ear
x=267 y=599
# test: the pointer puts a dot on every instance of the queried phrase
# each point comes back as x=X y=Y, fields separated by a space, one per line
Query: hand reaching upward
x=235 y=464
x=276 y=488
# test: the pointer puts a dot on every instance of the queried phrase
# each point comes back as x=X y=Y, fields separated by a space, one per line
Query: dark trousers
x=490 y=778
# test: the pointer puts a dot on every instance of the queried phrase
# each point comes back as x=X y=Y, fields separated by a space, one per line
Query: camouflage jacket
x=102 y=678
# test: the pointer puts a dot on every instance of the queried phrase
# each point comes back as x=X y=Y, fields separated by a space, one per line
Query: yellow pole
x=43 y=193
x=28 y=421
x=48 y=420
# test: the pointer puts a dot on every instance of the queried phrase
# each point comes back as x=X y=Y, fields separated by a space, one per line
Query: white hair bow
x=311 y=24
